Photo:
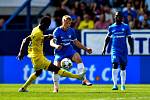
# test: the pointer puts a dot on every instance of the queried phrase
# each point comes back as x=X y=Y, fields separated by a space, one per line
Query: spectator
x=118 y=4
x=137 y=24
x=108 y=14
x=145 y=24
x=73 y=17
x=1 y=22
x=129 y=10
x=101 y=23
x=77 y=22
x=148 y=20
x=141 y=15
x=99 y=11
x=86 y=23
x=83 y=9
x=130 y=21
x=60 y=11
x=137 y=4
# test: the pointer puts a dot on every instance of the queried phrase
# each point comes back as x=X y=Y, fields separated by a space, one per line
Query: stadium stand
x=19 y=16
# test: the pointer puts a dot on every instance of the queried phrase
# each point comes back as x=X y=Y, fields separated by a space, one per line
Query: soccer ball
x=66 y=63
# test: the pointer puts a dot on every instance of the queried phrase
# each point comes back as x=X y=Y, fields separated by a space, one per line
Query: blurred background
x=91 y=19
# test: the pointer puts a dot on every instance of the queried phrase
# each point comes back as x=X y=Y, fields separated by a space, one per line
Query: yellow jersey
x=35 y=47
x=35 y=50
x=86 y=25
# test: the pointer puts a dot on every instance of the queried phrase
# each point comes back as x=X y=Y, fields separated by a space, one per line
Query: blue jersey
x=118 y=34
x=64 y=38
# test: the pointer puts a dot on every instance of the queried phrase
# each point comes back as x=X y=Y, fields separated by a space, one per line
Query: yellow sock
x=67 y=74
x=29 y=81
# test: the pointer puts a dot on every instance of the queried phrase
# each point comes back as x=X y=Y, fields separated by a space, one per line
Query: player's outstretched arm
x=105 y=45
x=79 y=45
x=131 y=43
x=48 y=37
x=25 y=43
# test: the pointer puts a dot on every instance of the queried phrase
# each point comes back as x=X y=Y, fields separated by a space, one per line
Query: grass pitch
x=74 y=92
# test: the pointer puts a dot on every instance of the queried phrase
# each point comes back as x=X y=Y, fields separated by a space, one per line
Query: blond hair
x=66 y=17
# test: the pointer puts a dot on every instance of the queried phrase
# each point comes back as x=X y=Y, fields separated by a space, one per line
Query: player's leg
x=56 y=77
x=115 y=62
x=65 y=73
x=115 y=75
x=123 y=63
x=32 y=77
x=123 y=76
x=76 y=58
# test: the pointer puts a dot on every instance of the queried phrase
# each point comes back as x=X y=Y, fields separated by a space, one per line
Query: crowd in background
x=99 y=14
x=86 y=14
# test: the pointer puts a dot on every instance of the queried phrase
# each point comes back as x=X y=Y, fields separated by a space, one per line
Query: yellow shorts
x=40 y=62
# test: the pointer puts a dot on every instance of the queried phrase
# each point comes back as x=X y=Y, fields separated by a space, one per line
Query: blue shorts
x=65 y=52
x=119 y=58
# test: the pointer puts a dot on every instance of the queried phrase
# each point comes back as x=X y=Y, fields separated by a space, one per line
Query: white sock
x=56 y=80
x=80 y=68
x=115 y=76
x=123 y=77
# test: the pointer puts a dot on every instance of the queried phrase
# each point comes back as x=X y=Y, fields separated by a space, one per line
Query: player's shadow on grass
x=118 y=92
x=79 y=92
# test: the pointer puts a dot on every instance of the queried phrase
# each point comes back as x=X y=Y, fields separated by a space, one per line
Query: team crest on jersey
x=113 y=31
x=69 y=36
x=61 y=37
x=123 y=29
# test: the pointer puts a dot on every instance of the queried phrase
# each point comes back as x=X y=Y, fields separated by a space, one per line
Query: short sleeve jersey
x=64 y=38
x=118 y=34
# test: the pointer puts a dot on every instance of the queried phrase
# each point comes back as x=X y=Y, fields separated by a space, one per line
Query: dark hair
x=45 y=20
x=119 y=14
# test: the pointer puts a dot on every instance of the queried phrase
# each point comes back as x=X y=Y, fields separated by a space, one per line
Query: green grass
x=75 y=92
